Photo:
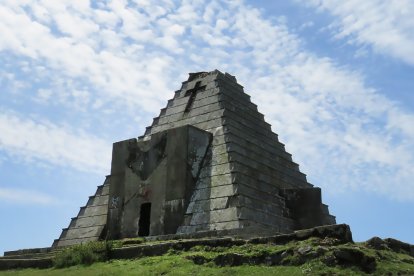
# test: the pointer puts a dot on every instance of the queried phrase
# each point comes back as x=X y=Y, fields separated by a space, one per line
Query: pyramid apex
x=193 y=76
x=202 y=74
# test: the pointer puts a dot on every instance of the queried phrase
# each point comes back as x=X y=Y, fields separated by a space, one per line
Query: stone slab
x=82 y=222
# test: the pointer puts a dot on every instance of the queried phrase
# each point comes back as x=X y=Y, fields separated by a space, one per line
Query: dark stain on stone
x=143 y=163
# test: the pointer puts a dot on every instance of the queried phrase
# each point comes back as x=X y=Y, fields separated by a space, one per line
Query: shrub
x=86 y=254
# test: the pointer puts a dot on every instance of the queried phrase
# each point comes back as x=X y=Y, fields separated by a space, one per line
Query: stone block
x=203 y=205
x=69 y=242
x=249 y=121
x=273 y=146
x=98 y=200
x=198 y=114
x=213 y=192
x=82 y=233
x=234 y=104
x=105 y=190
x=208 y=97
x=265 y=219
x=82 y=222
x=94 y=211
x=248 y=159
x=215 y=216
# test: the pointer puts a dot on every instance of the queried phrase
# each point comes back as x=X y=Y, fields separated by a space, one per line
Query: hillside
x=310 y=252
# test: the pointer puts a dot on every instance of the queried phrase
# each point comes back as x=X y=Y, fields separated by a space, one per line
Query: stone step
x=205 y=121
x=206 y=98
x=197 y=114
x=6 y=264
x=29 y=256
x=82 y=232
x=97 y=200
x=245 y=134
x=90 y=221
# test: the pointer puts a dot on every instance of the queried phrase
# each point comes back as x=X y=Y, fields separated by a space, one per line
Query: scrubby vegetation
x=83 y=254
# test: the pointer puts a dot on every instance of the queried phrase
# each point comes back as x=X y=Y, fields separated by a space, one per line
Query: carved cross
x=192 y=93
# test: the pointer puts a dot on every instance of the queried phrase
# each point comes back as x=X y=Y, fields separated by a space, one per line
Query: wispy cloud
x=345 y=134
x=386 y=26
x=26 y=197
x=34 y=140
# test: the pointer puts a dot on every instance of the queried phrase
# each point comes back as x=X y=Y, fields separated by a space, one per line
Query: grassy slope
x=165 y=265
x=181 y=262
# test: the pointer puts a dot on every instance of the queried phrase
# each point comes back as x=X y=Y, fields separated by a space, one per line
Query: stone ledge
x=342 y=232
x=393 y=244
x=28 y=251
x=6 y=264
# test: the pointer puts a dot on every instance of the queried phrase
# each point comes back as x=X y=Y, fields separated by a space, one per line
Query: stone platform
x=43 y=257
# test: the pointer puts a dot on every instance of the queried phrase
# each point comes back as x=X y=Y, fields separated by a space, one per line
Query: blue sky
x=334 y=78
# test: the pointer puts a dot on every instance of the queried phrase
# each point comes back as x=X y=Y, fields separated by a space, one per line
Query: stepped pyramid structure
x=208 y=162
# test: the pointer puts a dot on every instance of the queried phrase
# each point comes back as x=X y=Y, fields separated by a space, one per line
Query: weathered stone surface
x=30 y=251
x=90 y=221
x=162 y=248
x=69 y=242
x=213 y=216
x=399 y=246
x=97 y=200
x=354 y=257
x=376 y=243
x=304 y=250
x=6 y=264
x=203 y=205
x=236 y=259
x=84 y=232
x=155 y=178
x=341 y=232
x=395 y=245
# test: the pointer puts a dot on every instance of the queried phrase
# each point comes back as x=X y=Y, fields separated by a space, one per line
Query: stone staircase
x=89 y=224
x=27 y=258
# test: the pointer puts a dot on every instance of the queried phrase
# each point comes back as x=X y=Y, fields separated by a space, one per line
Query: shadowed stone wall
x=158 y=173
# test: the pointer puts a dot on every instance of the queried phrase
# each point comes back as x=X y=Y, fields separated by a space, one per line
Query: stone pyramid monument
x=209 y=162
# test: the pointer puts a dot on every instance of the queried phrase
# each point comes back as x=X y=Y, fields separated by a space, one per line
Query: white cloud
x=386 y=26
x=26 y=197
x=43 y=141
x=76 y=27
x=342 y=132
x=71 y=57
x=43 y=95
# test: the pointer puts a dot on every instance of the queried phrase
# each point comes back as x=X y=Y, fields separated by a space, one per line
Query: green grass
x=162 y=265
x=176 y=262
x=176 y=265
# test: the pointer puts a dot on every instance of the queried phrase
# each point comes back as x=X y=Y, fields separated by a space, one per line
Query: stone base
x=42 y=257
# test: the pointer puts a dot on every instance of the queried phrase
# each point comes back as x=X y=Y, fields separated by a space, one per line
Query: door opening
x=144 y=220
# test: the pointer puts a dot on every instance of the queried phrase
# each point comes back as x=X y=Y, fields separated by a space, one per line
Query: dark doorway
x=144 y=220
